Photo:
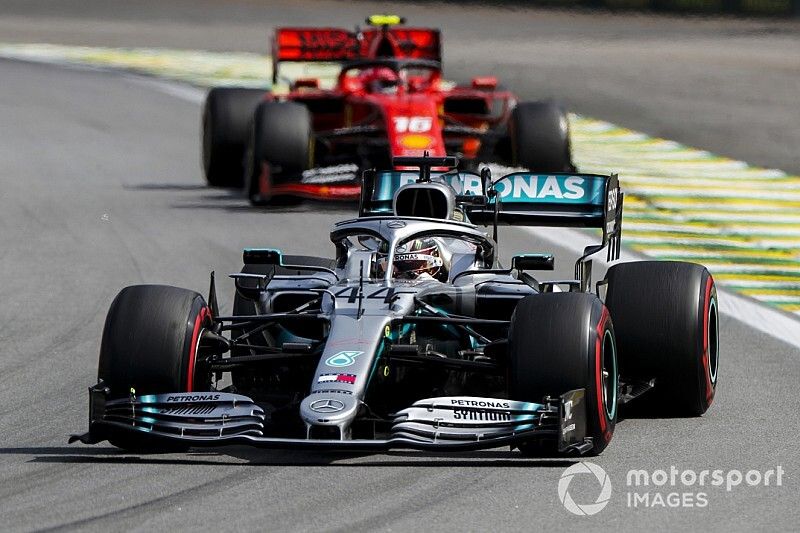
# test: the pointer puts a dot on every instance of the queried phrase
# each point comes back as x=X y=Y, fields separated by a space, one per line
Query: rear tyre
x=667 y=321
x=150 y=344
x=227 y=115
x=279 y=148
x=539 y=134
x=560 y=342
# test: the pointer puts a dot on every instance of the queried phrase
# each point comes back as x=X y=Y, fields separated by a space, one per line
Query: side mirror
x=533 y=262
x=250 y=286
x=486 y=83
x=261 y=256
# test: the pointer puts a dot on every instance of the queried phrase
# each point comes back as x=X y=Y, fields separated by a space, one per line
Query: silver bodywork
x=359 y=312
x=360 y=308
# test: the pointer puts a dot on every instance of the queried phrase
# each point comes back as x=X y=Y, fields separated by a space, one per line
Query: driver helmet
x=380 y=80
x=420 y=258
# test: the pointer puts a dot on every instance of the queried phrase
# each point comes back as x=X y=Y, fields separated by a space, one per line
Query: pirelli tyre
x=227 y=115
x=560 y=342
x=539 y=137
x=149 y=345
x=280 y=148
x=667 y=322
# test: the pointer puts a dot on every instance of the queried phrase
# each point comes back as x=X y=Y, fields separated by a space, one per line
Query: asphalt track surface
x=101 y=188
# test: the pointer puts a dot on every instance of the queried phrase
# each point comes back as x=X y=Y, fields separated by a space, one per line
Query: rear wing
x=557 y=199
x=337 y=45
x=518 y=199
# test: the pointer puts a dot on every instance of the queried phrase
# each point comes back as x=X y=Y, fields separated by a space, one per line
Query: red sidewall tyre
x=564 y=341
x=150 y=341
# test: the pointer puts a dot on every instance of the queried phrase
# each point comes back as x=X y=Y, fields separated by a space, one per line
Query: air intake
x=425 y=200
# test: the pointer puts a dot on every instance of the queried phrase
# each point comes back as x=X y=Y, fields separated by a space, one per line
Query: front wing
x=327 y=183
x=459 y=423
x=318 y=191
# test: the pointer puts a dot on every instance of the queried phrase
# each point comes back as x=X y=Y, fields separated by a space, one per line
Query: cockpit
x=390 y=76
x=400 y=249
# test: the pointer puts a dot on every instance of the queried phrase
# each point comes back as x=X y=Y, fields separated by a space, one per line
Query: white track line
x=181 y=91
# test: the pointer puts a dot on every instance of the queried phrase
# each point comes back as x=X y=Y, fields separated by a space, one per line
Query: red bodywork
x=389 y=100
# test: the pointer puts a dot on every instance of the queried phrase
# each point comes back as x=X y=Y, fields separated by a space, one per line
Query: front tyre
x=560 y=342
x=227 y=115
x=279 y=148
x=150 y=341
x=150 y=345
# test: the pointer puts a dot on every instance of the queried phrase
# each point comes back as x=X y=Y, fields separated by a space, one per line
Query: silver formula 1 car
x=414 y=336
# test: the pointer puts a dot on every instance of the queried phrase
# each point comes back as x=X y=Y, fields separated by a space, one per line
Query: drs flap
x=334 y=44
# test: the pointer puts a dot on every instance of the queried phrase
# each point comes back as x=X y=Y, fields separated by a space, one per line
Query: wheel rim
x=194 y=349
x=609 y=381
x=713 y=340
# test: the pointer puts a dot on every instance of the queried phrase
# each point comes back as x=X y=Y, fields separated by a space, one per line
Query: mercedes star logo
x=327 y=406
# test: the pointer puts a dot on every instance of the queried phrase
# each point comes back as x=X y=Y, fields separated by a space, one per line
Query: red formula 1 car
x=388 y=100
